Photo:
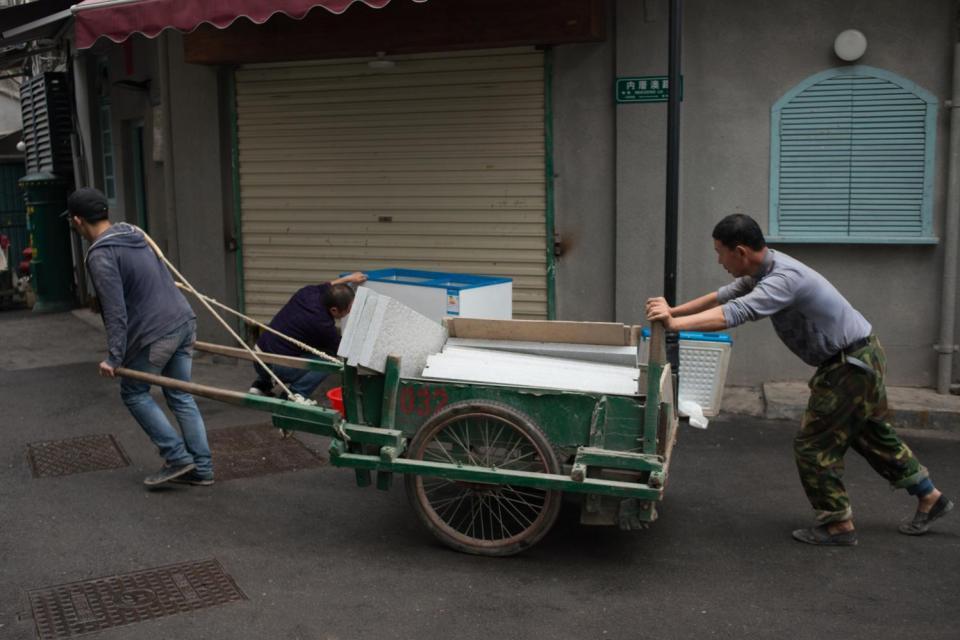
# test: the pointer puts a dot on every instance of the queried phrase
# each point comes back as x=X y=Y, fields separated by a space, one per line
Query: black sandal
x=921 y=521
x=820 y=535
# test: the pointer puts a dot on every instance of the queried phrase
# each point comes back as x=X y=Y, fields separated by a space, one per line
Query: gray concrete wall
x=584 y=139
x=195 y=124
x=739 y=57
x=185 y=214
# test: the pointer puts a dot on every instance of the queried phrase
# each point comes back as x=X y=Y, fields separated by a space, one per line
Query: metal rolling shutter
x=435 y=164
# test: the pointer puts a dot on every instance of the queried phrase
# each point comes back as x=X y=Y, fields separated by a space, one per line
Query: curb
x=911 y=408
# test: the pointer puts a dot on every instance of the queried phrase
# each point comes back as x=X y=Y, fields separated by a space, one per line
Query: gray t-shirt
x=808 y=313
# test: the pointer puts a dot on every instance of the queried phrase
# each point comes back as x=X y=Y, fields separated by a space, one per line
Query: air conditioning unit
x=47 y=125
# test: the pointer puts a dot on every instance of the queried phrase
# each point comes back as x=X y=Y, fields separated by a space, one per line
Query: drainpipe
x=948 y=297
x=673 y=176
x=172 y=248
x=673 y=155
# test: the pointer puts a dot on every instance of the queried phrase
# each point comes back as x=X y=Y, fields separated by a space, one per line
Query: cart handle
x=658 y=348
x=214 y=393
x=285 y=361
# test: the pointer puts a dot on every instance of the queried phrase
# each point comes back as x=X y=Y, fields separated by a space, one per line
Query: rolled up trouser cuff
x=912 y=479
x=826 y=517
x=921 y=489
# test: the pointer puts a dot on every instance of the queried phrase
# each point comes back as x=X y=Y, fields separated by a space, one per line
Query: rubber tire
x=446 y=534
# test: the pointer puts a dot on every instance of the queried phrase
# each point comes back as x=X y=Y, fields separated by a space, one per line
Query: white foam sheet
x=350 y=329
x=624 y=356
x=497 y=367
x=384 y=327
x=357 y=329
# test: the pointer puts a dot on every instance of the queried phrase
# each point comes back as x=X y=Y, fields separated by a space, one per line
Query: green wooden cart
x=486 y=465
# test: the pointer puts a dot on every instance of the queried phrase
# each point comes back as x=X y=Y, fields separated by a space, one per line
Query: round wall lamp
x=850 y=45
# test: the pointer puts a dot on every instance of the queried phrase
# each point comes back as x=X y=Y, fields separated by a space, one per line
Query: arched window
x=852 y=159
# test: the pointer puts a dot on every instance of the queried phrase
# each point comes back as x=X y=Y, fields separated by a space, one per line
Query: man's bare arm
x=702 y=314
x=703 y=303
x=709 y=320
x=356 y=277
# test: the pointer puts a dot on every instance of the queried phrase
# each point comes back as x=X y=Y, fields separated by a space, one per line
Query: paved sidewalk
x=913 y=408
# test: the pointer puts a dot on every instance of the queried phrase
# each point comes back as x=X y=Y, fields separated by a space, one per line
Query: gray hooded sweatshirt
x=138 y=299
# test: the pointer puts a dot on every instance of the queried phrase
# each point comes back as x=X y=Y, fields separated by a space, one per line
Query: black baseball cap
x=88 y=203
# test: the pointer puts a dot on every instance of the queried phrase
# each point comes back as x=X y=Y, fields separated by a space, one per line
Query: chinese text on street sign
x=645 y=89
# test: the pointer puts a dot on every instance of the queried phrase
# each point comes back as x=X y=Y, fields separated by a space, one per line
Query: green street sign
x=644 y=89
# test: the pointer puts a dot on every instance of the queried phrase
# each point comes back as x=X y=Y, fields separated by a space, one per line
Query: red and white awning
x=120 y=19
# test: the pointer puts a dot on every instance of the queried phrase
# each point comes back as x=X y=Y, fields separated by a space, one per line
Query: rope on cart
x=257 y=323
x=297 y=398
x=206 y=301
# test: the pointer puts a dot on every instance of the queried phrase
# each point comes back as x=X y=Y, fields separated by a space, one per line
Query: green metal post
x=548 y=144
x=656 y=363
x=235 y=174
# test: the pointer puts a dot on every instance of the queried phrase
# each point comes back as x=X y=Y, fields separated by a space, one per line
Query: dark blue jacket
x=305 y=318
x=138 y=299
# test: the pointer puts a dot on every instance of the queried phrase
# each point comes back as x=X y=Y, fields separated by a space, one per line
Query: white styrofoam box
x=379 y=326
x=437 y=295
x=704 y=358
x=703 y=373
x=350 y=324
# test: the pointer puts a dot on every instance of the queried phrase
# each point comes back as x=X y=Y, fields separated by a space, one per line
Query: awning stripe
x=117 y=20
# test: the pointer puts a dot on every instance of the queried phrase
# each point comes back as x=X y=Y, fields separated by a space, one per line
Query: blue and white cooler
x=438 y=295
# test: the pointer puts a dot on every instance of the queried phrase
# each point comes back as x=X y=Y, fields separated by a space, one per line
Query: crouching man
x=310 y=317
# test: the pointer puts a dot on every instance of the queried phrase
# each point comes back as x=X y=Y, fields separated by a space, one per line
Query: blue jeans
x=170 y=356
x=301 y=381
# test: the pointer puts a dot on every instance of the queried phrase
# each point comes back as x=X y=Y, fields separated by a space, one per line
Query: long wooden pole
x=284 y=361
x=214 y=393
x=156 y=249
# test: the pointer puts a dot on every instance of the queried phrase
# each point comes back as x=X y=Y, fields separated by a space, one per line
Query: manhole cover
x=245 y=452
x=74 y=609
x=76 y=455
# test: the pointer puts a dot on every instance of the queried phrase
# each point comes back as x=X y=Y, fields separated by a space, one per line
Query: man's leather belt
x=850 y=348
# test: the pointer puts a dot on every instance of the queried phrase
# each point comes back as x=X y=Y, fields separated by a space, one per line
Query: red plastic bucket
x=335 y=396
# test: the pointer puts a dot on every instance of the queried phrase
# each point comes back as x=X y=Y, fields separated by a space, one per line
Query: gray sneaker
x=921 y=521
x=168 y=473
x=820 y=535
x=193 y=478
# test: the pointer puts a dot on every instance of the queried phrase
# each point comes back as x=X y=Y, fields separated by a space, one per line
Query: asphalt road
x=320 y=558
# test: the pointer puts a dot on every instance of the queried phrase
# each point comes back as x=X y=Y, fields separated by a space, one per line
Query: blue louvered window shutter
x=852 y=159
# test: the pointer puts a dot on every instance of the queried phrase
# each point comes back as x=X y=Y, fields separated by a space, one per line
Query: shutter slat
x=438 y=167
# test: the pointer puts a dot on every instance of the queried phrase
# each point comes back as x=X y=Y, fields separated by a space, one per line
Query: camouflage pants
x=848 y=408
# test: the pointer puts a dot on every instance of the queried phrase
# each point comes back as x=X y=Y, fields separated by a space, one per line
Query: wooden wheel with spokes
x=475 y=517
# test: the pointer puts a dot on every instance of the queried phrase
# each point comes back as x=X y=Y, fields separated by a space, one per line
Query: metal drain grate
x=246 y=452
x=71 y=610
x=76 y=455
